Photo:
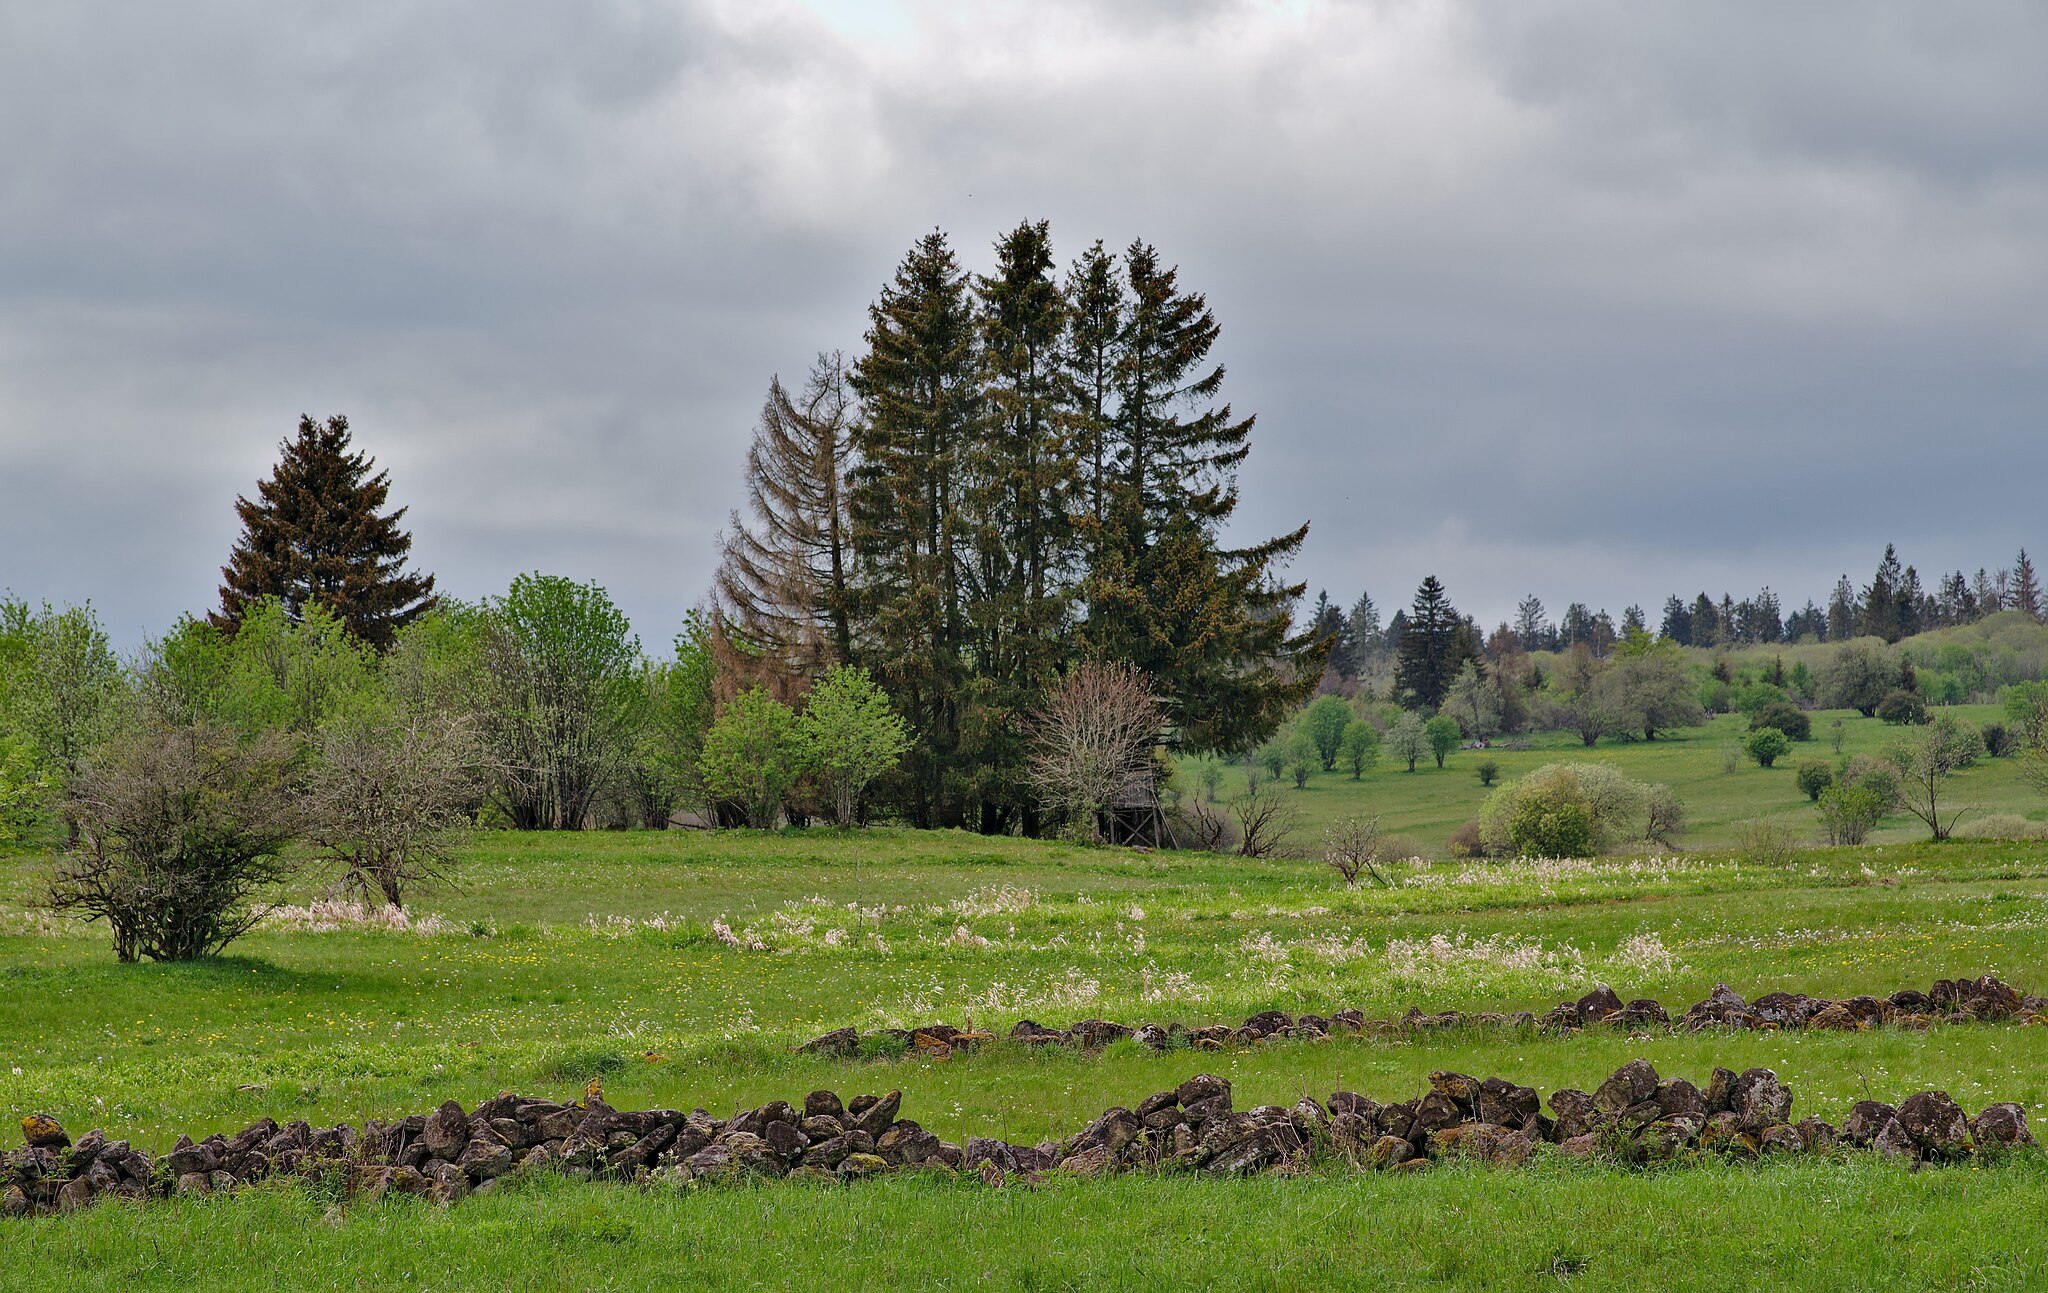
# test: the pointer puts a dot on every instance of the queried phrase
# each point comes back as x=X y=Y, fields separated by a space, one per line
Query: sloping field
x=680 y=971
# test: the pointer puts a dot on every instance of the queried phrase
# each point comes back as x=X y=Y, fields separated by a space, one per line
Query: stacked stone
x=1633 y=1116
x=1983 y=999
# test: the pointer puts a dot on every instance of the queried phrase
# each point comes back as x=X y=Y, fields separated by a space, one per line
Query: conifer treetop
x=316 y=534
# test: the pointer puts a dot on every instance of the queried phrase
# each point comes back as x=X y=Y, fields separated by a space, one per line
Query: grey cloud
x=1595 y=299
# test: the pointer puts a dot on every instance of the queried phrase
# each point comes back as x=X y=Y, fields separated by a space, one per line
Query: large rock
x=1631 y=1084
x=1597 y=1005
x=824 y=1104
x=43 y=1132
x=481 y=1160
x=1760 y=1100
x=446 y=1132
x=1866 y=1120
x=876 y=1117
x=840 y=1041
x=1936 y=1124
x=2001 y=1125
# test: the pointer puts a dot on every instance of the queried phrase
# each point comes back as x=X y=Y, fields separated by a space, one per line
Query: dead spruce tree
x=178 y=828
x=1091 y=744
x=783 y=574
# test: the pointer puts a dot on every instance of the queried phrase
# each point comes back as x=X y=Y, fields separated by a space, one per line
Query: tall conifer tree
x=1023 y=489
x=2024 y=588
x=316 y=535
x=917 y=385
x=1430 y=647
x=784 y=579
x=1209 y=625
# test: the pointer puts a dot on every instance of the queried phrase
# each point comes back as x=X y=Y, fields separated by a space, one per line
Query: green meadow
x=680 y=969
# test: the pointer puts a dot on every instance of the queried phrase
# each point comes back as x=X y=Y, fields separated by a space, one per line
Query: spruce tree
x=784 y=579
x=1881 y=598
x=1706 y=621
x=1845 y=616
x=1429 y=648
x=1096 y=304
x=1677 y=626
x=1229 y=674
x=1022 y=493
x=1368 y=639
x=917 y=386
x=2024 y=589
x=1532 y=624
x=316 y=535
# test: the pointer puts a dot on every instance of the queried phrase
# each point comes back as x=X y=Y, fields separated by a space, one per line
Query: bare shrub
x=1765 y=842
x=1202 y=826
x=386 y=802
x=178 y=827
x=1355 y=846
x=1091 y=744
x=1265 y=820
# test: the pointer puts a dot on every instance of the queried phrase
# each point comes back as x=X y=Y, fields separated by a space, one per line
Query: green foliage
x=60 y=686
x=850 y=736
x=1443 y=736
x=1998 y=740
x=1814 y=776
x=1617 y=808
x=1302 y=756
x=23 y=789
x=2026 y=708
x=1753 y=696
x=1360 y=748
x=290 y=675
x=753 y=754
x=1902 y=708
x=1944 y=746
x=1849 y=811
x=1541 y=827
x=1407 y=742
x=1475 y=701
x=674 y=718
x=1433 y=646
x=1857 y=676
x=1488 y=770
x=564 y=698
x=1786 y=717
x=1323 y=722
x=1767 y=745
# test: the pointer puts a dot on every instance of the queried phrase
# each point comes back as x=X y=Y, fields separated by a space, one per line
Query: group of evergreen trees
x=1022 y=470
x=1892 y=606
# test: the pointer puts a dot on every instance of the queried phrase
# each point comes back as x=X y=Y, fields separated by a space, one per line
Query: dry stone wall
x=1981 y=1000
x=1633 y=1116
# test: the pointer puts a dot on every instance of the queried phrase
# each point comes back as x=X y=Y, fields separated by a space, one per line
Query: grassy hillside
x=1424 y=807
x=679 y=969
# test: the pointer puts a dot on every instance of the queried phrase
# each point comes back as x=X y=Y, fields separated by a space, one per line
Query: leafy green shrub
x=1786 y=717
x=1526 y=816
x=1848 y=811
x=23 y=788
x=1751 y=697
x=1443 y=735
x=1323 y=722
x=753 y=755
x=1551 y=829
x=1814 y=776
x=1902 y=708
x=1488 y=770
x=1767 y=745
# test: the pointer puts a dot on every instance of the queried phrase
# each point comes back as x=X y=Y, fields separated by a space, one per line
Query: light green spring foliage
x=753 y=754
x=1443 y=735
x=1360 y=749
x=60 y=684
x=1618 y=809
x=1323 y=722
x=1302 y=755
x=292 y=676
x=850 y=736
x=1474 y=701
x=1406 y=742
x=23 y=788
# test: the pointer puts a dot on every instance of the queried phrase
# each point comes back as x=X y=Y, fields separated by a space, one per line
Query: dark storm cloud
x=1597 y=300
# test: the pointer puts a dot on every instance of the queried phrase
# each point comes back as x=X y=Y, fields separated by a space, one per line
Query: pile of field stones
x=1984 y=1000
x=1634 y=1116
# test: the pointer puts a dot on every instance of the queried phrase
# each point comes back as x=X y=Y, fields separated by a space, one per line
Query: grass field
x=680 y=968
x=1422 y=808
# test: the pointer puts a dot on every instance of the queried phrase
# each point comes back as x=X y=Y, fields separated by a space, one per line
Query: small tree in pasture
x=1443 y=736
x=1354 y=846
x=851 y=736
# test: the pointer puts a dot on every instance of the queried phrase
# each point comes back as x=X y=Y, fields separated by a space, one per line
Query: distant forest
x=1895 y=604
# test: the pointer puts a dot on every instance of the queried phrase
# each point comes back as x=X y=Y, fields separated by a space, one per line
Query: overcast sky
x=1596 y=300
